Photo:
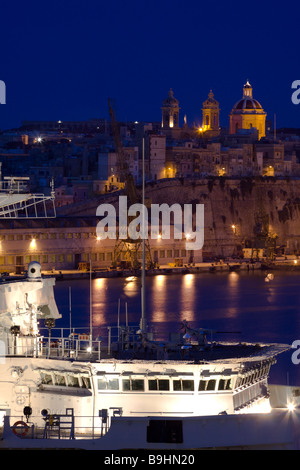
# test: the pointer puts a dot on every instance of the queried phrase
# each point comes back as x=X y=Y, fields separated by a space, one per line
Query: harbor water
x=238 y=306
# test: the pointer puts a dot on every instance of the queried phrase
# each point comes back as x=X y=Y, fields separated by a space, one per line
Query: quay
x=170 y=269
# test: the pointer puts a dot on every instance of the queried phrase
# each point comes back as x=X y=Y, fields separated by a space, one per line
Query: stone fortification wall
x=227 y=202
x=236 y=202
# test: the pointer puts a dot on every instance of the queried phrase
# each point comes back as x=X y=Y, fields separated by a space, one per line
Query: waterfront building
x=68 y=243
x=156 y=156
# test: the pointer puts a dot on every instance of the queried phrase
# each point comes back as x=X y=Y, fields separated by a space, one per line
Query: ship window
x=111 y=384
x=46 y=378
x=101 y=384
x=211 y=384
x=60 y=380
x=224 y=384
x=86 y=383
x=183 y=385
x=134 y=385
x=152 y=384
x=72 y=381
x=163 y=385
x=207 y=385
x=159 y=384
x=202 y=385
x=126 y=385
x=137 y=384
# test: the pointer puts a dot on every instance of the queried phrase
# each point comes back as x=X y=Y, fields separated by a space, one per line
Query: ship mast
x=143 y=322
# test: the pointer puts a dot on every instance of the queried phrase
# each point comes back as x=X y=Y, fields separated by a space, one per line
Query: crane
x=130 y=249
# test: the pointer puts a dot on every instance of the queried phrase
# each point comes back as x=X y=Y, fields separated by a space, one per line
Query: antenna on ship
x=144 y=230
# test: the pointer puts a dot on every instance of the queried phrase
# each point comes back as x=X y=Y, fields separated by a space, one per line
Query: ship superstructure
x=188 y=376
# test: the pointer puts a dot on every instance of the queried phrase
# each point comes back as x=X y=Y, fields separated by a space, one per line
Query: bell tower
x=211 y=114
x=170 y=112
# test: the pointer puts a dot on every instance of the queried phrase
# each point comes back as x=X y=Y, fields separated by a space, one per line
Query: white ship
x=46 y=382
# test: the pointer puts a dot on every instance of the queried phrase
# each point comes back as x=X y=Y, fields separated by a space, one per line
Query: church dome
x=247 y=114
x=247 y=103
x=170 y=100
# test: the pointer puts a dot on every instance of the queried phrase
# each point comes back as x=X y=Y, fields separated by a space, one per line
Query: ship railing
x=71 y=345
x=75 y=344
x=15 y=185
x=63 y=345
x=57 y=426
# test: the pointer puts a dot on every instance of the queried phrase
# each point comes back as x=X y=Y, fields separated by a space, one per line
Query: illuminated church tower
x=211 y=115
x=170 y=113
x=247 y=113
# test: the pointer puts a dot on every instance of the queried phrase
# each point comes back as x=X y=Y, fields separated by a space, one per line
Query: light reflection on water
x=226 y=302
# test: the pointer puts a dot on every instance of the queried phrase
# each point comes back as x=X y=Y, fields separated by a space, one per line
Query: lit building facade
x=170 y=114
x=211 y=115
x=247 y=113
x=68 y=243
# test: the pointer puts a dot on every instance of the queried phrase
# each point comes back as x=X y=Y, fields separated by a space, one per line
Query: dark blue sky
x=61 y=60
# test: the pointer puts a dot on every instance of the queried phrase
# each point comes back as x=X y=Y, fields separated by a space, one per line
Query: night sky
x=61 y=60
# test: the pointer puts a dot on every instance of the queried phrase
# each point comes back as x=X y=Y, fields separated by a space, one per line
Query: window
x=224 y=384
x=159 y=384
x=69 y=235
x=183 y=385
x=61 y=258
x=133 y=385
x=86 y=382
x=61 y=235
x=72 y=381
x=60 y=380
x=207 y=385
x=44 y=258
x=108 y=384
x=46 y=378
x=169 y=253
x=162 y=253
x=53 y=236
